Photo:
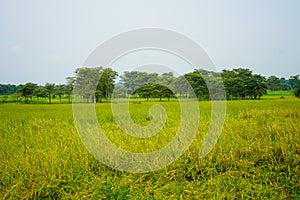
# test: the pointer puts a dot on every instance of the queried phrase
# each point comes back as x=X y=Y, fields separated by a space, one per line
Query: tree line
x=98 y=84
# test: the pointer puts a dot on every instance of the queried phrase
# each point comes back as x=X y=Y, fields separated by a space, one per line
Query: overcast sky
x=45 y=41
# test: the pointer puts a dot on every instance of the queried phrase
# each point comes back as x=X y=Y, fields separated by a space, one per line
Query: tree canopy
x=98 y=83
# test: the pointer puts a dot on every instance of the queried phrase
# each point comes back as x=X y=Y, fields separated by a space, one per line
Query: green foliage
x=241 y=83
x=95 y=84
x=92 y=84
x=273 y=83
x=297 y=85
x=106 y=85
x=197 y=84
x=7 y=89
x=134 y=79
x=49 y=88
x=28 y=91
x=154 y=90
x=3 y=99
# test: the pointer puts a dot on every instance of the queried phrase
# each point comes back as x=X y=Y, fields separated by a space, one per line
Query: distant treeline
x=98 y=83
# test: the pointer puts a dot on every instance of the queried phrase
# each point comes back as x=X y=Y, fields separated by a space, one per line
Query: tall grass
x=257 y=155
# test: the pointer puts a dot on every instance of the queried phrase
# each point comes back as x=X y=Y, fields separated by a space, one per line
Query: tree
x=7 y=89
x=154 y=90
x=284 y=84
x=181 y=86
x=241 y=83
x=134 y=79
x=256 y=86
x=16 y=97
x=198 y=84
x=243 y=78
x=273 y=83
x=167 y=78
x=69 y=87
x=86 y=81
x=3 y=99
x=39 y=92
x=49 y=88
x=297 y=85
x=145 y=91
x=95 y=83
x=60 y=91
x=105 y=85
x=28 y=91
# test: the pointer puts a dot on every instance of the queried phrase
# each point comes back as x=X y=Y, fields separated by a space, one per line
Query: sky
x=45 y=41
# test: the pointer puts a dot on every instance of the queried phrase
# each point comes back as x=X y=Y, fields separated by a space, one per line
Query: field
x=257 y=155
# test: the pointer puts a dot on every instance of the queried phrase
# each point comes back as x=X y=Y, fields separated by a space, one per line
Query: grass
x=257 y=155
x=278 y=94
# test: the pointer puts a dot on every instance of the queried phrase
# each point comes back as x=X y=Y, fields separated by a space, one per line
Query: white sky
x=45 y=41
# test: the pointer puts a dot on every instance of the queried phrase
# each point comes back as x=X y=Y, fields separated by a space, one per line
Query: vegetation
x=257 y=155
x=96 y=84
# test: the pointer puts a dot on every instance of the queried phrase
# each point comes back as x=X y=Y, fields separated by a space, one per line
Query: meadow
x=257 y=155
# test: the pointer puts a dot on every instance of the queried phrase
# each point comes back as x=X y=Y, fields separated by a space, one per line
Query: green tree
x=49 y=88
x=297 y=85
x=7 y=89
x=181 y=86
x=69 y=87
x=86 y=81
x=273 y=83
x=106 y=83
x=284 y=84
x=28 y=91
x=145 y=91
x=40 y=92
x=92 y=84
x=134 y=79
x=3 y=99
x=17 y=96
x=256 y=86
x=154 y=90
x=198 y=84
x=60 y=91
x=240 y=83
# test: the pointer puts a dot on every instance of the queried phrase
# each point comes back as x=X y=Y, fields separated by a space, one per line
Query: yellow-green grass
x=257 y=155
x=278 y=95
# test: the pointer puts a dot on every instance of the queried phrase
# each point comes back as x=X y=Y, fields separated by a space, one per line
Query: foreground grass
x=257 y=155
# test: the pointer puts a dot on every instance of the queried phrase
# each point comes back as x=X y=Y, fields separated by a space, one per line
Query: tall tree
x=7 y=89
x=60 y=91
x=297 y=85
x=273 y=83
x=40 y=92
x=69 y=87
x=284 y=84
x=134 y=79
x=49 y=88
x=106 y=82
x=28 y=91
x=145 y=91
x=95 y=83
x=198 y=84
x=256 y=86
x=154 y=90
x=86 y=82
x=181 y=86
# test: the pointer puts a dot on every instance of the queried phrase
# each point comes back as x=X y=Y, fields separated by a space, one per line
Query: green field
x=257 y=155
